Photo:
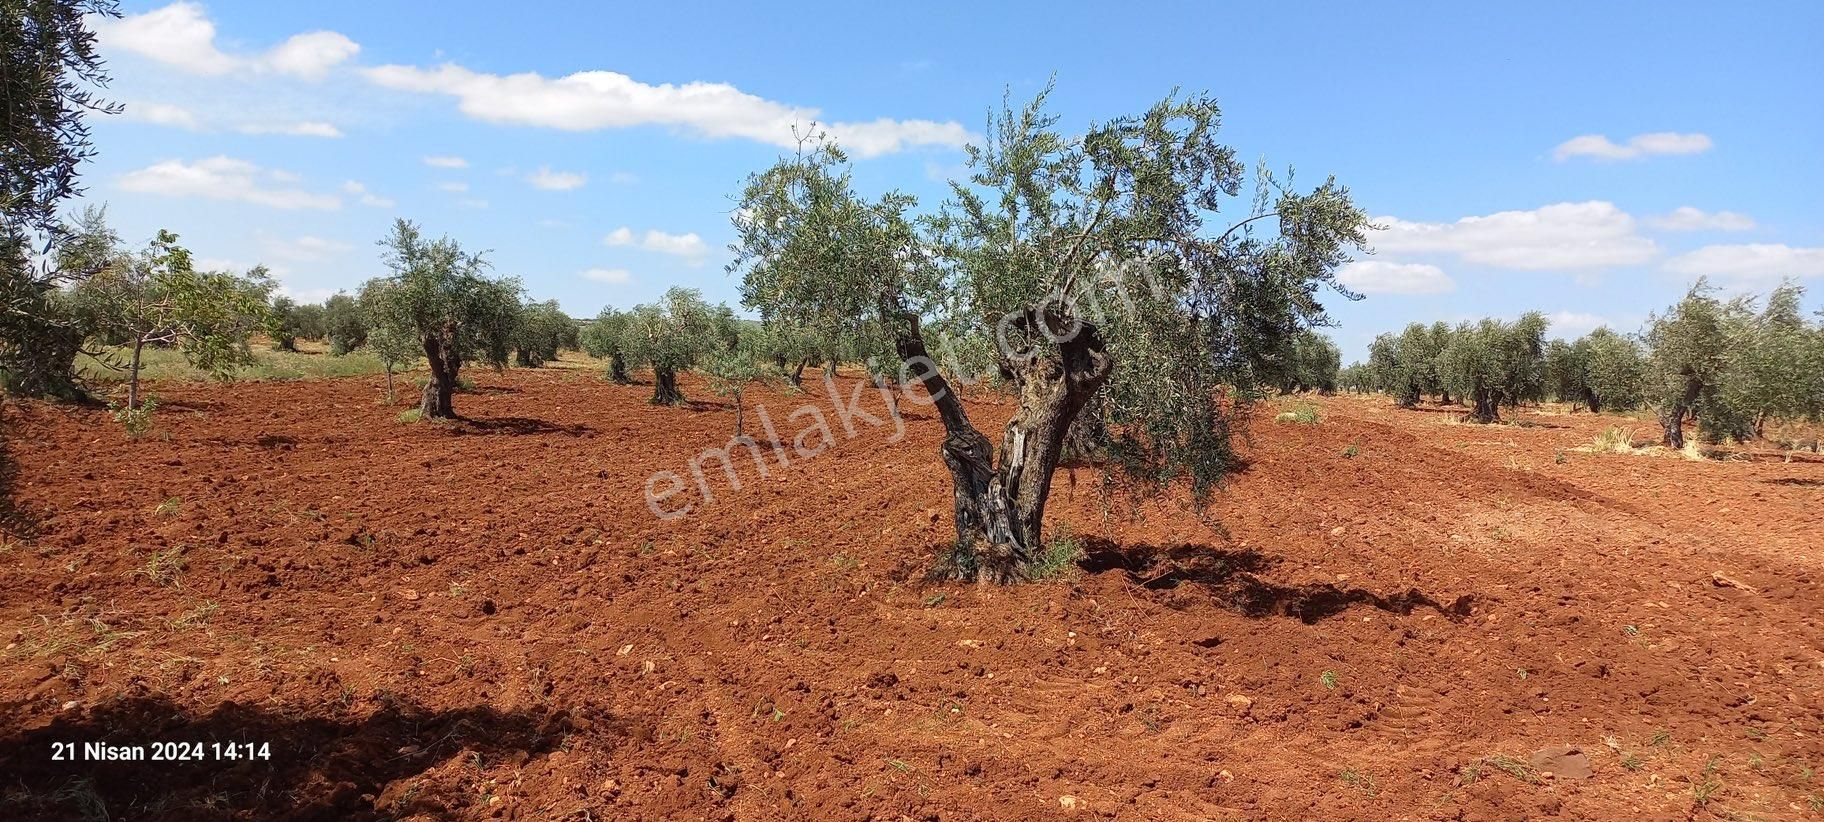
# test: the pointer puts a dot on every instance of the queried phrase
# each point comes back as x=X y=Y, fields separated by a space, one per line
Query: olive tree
x=604 y=337
x=1095 y=260
x=344 y=324
x=157 y=298
x=791 y=347
x=439 y=293
x=675 y=334
x=49 y=70
x=1601 y=370
x=1778 y=372
x=289 y=321
x=1495 y=364
x=1311 y=362
x=1693 y=345
x=397 y=349
x=543 y=329
x=1406 y=364
x=731 y=368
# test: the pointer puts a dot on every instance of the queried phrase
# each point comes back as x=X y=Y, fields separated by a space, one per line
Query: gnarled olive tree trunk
x=440 y=351
x=1673 y=410
x=665 y=386
x=1487 y=405
x=617 y=368
x=1000 y=507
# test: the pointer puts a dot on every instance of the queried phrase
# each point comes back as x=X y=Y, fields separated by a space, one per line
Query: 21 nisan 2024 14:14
x=160 y=752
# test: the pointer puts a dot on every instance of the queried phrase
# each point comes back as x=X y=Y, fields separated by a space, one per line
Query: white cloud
x=616 y=276
x=1383 y=277
x=299 y=129
x=454 y=186
x=1750 y=263
x=304 y=249
x=446 y=162
x=224 y=178
x=162 y=114
x=182 y=36
x=311 y=55
x=550 y=180
x=678 y=245
x=1687 y=218
x=1640 y=145
x=1572 y=324
x=1586 y=235
x=368 y=198
x=592 y=100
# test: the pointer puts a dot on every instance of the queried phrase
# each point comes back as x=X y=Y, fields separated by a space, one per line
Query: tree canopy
x=1097 y=262
x=439 y=293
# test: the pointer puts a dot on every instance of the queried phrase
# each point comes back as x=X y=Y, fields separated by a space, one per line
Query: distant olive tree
x=157 y=298
x=1602 y=370
x=1779 y=373
x=438 y=293
x=1694 y=345
x=1311 y=363
x=1495 y=364
x=397 y=349
x=543 y=330
x=1405 y=365
x=604 y=338
x=1090 y=259
x=675 y=334
x=791 y=347
x=344 y=324
x=1356 y=378
x=731 y=368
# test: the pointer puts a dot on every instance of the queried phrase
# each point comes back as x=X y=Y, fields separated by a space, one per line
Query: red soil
x=485 y=620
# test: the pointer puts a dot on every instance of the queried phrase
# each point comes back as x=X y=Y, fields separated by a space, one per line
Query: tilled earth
x=1386 y=615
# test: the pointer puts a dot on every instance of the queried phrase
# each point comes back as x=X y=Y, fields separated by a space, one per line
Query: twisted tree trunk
x=436 y=401
x=617 y=368
x=1000 y=509
x=665 y=386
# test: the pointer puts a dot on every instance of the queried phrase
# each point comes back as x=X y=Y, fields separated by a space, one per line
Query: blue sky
x=1585 y=160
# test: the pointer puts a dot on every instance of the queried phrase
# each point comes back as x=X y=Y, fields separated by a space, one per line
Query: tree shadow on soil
x=517 y=426
x=321 y=767
x=1229 y=578
x=1801 y=482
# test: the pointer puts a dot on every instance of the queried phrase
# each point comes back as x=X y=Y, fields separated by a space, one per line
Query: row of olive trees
x=1715 y=362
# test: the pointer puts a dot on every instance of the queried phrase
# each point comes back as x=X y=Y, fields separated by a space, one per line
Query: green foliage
x=136 y=419
x=1303 y=413
x=344 y=323
x=1779 y=372
x=1357 y=378
x=156 y=298
x=1602 y=370
x=438 y=293
x=604 y=337
x=1695 y=345
x=676 y=334
x=542 y=330
x=1096 y=266
x=1495 y=364
x=282 y=324
x=1311 y=363
x=49 y=71
x=1406 y=365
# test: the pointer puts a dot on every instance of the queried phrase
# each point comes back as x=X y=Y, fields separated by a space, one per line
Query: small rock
x=1241 y=703
x=1067 y=802
x=1561 y=762
x=409 y=594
